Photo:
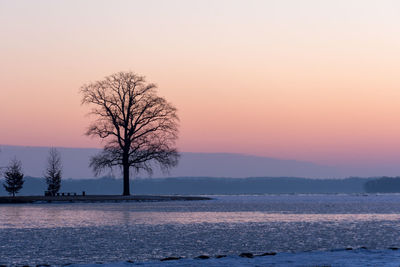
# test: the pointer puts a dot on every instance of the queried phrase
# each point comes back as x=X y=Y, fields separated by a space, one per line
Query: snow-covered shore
x=357 y=257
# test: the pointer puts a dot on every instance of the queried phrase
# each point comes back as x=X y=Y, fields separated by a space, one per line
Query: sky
x=308 y=80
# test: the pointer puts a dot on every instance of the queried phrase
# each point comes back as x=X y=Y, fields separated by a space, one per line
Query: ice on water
x=147 y=231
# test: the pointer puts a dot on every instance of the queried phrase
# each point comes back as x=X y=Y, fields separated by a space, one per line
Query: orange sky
x=307 y=80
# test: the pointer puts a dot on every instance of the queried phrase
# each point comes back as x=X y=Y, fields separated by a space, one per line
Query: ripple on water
x=107 y=232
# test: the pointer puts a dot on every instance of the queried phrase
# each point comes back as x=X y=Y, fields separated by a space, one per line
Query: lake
x=113 y=232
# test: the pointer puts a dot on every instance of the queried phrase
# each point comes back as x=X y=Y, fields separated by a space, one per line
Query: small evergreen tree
x=14 y=178
x=53 y=172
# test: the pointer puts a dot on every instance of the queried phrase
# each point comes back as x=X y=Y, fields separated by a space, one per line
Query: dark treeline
x=202 y=185
x=257 y=185
x=383 y=185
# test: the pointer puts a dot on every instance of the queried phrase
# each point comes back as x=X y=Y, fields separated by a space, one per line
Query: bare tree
x=139 y=127
x=53 y=171
x=14 y=178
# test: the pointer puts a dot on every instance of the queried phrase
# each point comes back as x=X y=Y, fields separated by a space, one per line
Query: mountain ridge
x=192 y=164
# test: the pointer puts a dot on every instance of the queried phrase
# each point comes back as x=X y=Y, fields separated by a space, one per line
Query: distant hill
x=201 y=186
x=76 y=161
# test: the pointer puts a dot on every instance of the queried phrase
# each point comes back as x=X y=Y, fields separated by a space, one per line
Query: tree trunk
x=126 y=176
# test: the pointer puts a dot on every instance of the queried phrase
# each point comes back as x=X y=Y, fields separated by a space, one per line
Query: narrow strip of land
x=96 y=198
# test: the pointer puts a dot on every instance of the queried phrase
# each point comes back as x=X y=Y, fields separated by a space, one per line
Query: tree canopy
x=14 y=178
x=138 y=127
x=53 y=172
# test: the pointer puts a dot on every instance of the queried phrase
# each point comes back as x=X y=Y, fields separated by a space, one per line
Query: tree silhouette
x=14 y=178
x=53 y=171
x=139 y=127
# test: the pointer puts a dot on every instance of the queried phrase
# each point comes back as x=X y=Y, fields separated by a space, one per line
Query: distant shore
x=96 y=198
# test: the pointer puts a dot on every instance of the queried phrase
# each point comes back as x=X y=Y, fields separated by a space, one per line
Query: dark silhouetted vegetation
x=139 y=127
x=53 y=172
x=383 y=185
x=14 y=178
x=204 y=186
x=256 y=185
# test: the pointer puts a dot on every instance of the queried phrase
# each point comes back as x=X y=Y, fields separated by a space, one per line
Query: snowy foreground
x=358 y=257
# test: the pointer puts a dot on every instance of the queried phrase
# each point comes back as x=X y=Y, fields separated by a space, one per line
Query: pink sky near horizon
x=307 y=80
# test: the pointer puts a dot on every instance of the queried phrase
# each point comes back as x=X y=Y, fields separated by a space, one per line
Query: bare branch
x=139 y=127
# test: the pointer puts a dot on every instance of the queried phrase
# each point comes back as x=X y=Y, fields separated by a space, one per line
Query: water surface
x=107 y=232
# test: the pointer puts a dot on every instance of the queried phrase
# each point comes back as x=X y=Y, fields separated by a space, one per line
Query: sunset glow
x=307 y=80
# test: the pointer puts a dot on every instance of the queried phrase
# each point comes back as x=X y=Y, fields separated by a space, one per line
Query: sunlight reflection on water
x=59 y=216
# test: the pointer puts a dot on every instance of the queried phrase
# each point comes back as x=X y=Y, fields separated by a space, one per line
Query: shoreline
x=97 y=198
x=357 y=257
